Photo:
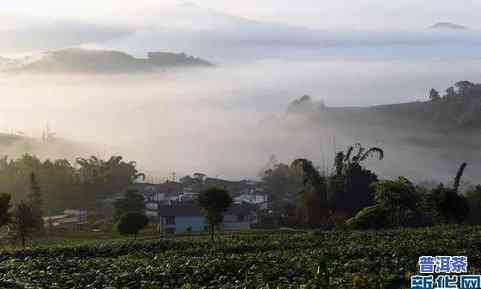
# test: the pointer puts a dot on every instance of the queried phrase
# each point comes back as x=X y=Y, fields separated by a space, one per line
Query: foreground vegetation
x=334 y=259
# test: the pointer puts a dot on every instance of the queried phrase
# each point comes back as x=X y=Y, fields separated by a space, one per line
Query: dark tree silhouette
x=434 y=95
x=36 y=202
x=350 y=186
x=132 y=223
x=214 y=202
x=132 y=202
x=5 y=214
x=451 y=206
x=24 y=222
x=314 y=195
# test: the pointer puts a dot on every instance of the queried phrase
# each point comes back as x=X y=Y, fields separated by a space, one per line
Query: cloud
x=328 y=14
x=25 y=34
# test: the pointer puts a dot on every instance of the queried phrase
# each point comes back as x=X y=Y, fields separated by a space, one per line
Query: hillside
x=459 y=109
x=105 y=61
x=423 y=138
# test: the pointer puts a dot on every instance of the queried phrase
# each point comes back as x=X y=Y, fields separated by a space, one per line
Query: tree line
x=32 y=188
x=65 y=184
x=352 y=195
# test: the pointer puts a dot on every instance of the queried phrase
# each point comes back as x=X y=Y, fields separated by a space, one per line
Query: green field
x=275 y=259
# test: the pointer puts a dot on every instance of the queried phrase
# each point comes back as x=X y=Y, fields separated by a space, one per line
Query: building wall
x=236 y=226
x=197 y=224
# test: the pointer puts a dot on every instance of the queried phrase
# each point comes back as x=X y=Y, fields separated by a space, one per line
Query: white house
x=252 y=197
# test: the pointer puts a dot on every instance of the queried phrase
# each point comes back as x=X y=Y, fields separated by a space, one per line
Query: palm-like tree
x=350 y=186
x=348 y=159
x=451 y=205
x=459 y=175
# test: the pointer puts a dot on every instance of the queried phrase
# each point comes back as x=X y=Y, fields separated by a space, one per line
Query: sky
x=328 y=14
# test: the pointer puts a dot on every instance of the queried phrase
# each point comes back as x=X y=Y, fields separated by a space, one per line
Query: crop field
x=335 y=259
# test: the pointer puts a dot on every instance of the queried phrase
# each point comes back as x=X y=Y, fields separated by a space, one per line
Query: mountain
x=448 y=25
x=76 y=60
x=424 y=137
x=459 y=110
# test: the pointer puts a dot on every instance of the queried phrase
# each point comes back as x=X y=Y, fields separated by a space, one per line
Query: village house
x=179 y=218
x=253 y=197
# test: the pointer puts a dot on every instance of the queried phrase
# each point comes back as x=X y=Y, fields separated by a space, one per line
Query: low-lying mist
x=225 y=121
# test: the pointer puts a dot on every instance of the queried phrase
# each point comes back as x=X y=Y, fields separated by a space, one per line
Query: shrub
x=132 y=223
x=373 y=217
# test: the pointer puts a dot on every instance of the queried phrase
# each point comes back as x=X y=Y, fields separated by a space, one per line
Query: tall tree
x=451 y=206
x=5 y=214
x=24 y=222
x=36 y=202
x=350 y=187
x=214 y=202
x=282 y=181
x=314 y=195
x=132 y=202
x=434 y=94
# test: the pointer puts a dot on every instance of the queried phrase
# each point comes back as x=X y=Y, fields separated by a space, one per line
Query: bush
x=373 y=217
x=132 y=223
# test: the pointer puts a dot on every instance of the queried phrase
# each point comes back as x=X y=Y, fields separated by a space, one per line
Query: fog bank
x=225 y=121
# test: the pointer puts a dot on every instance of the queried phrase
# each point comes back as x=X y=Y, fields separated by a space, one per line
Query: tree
x=451 y=206
x=5 y=215
x=350 y=187
x=434 y=95
x=397 y=203
x=399 y=198
x=35 y=201
x=474 y=199
x=372 y=217
x=282 y=181
x=65 y=185
x=132 y=202
x=24 y=221
x=100 y=178
x=132 y=223
x=214 y=202
x=314 y=195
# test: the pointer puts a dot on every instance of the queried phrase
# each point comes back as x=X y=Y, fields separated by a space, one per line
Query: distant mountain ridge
x=458 y=109
x=448 y=25
x=76 y=60
x=423 y=137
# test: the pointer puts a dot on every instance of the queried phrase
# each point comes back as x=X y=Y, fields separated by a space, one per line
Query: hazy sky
x=346 y=14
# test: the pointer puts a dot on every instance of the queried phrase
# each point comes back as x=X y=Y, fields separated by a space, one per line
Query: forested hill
x=459 y=108
x=423 y=138
x=77 y=60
